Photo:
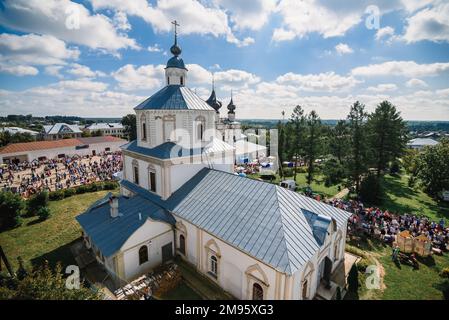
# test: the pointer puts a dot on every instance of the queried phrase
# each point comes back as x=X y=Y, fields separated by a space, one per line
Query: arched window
x=200 y=127
x=213 y=266
x=182 y=244
x=143 y=128
x=182 y=81
x=143 y=254
x=136 y=172
x=152 y=179
x=257 y=292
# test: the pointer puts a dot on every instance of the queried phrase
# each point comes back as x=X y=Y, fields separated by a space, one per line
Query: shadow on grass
x=428 y=261
x=444 y=288
x=61 y=254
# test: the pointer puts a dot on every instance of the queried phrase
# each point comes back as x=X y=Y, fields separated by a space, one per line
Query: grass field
x=400 y=198
x=50 y=240
x=301 y=182
x=402 y=282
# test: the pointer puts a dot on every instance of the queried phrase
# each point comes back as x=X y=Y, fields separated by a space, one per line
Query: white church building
x=180 y=197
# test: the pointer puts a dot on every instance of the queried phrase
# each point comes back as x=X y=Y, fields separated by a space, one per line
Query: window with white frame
x=213 y=269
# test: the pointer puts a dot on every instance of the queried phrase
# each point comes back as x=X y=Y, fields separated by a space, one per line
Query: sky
x=101 y=58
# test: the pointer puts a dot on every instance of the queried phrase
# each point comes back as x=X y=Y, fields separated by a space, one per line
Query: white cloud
x=121 y=21
x=251 y=15
x=34 y=49
x=194 y=16
x=328 y=81
x=54 y=71
x=343 y=48
x=384 y=87
x=402 y=68
x=429 y=24
x=82 y=71
x=82 y=85
x=233 y=78
x=130 y=77
x=19 y=70
x=154 y=48
x=385 y=32
x=66 y=20
x=413 y=83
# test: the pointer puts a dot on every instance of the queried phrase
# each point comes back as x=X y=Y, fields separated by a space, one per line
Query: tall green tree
x=297 y=121
x=357 y=163
x=387 y=135
x=338 y=140
x=281 y=146
x=11 y=206
x=130 y=126
x=433 y=168
x=313 y=143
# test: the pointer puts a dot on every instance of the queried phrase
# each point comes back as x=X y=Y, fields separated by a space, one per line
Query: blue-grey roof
x=166 y=150
x=174 y=97
x=61 y=128
x=418 y=142
x=277 y=226
x=109 y=234
x=176 y=62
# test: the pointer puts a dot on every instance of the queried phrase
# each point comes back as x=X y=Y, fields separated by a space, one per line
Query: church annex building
x=179 y=196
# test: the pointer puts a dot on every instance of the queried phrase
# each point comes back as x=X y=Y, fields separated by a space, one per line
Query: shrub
x=44 y=213
x=394 y=168
x=362 y=265
x=11 y=206
x=81 y=189
x=445 y=273
x=371 y=190
x=69 y=192
x=110 y=185
x=56 y=195
x=36 y=202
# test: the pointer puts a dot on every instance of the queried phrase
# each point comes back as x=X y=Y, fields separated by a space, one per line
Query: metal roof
x=109 y=234
x=104 y=125
x=61 y=128
x=266 y=221
x=171 y=150
x=176 y=62
x=422 y=142
x=174 y=97
x=166 y=150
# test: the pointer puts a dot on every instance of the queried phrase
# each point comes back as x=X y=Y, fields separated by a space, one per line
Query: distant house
x=42 y=150
x=111 y=129
x=15 y=130
x=61 y=131
x=420 y=143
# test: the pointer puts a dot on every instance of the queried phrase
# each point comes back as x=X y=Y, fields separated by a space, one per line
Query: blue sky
x=103 y=57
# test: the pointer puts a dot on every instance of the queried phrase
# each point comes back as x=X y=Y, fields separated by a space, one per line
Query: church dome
x=231 y=106
x=176 y=62
x=213 y=102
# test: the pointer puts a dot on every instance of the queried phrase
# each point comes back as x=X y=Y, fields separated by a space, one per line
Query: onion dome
x=231 y=106
x=212 y=101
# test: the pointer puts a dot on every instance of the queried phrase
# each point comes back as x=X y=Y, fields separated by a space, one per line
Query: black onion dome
x=231 y=106
x=213 y=102
x=175 y=50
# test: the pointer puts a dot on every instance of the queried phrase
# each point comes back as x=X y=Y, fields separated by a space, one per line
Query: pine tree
x=387 y=135
x=297 y=121
x=313 y=143
x=357 y=164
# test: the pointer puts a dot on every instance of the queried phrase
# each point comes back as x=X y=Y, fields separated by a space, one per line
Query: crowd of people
x=386 y=225
x=28 y=178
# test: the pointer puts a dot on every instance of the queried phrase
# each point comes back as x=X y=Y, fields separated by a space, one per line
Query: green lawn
x=50 y=240
x=301 y=182
x=402 y=282
x=181 y=292
x=400 y=198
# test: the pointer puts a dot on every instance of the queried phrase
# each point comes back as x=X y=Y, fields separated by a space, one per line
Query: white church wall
x=154 y=235
x=181 y=173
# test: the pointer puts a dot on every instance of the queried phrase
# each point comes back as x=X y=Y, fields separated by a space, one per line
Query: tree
x=387 y=135
x=313 y=143
x=297 y=121
x=357 y=164
x=281 y=146
x=43 y=284
x=371 y=189
x=130 y=126
x=338 y=140
x=433 y=168
x=11 y=206
x=36 y=202
x=97 y=133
